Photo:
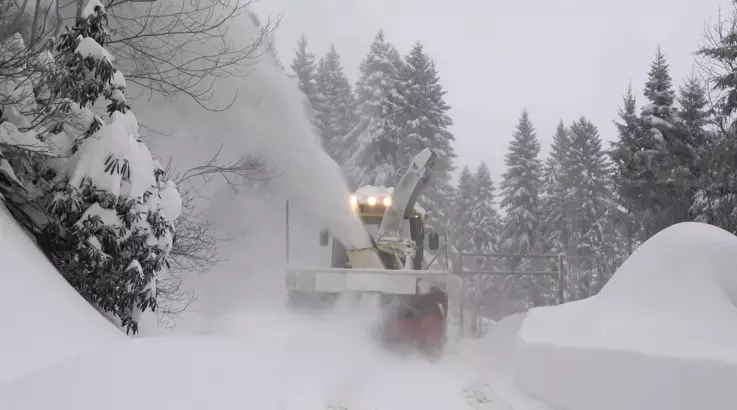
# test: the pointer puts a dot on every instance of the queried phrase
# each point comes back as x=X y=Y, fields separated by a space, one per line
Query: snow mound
x=44 y=319
x=667 y=317
x=674 y=296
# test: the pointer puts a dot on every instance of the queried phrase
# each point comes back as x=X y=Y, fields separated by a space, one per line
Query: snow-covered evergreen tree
x=633 y=177
x=718 y=52
x=520 y=190
x=554 y=231
x=23 y=91
x=520 y=186
x=659 y=88
x=587 y=206
x=485 y=218
x=111 y=221
x=484 y=227
x=673 y=158
x=686 y=149
x=303 y=65
x=693 y=110
x=461 y=224
x=423 y=122
x=716 y=196
x=462 y=217
x=337 y=102
x=374 y=143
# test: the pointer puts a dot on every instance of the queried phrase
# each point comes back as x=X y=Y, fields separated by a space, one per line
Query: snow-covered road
x=269 y=360
x=333 y=360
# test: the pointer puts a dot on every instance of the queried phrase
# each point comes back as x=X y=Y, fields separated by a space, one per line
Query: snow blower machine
x=420 y=307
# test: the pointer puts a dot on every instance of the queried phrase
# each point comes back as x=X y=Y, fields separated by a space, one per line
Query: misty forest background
x=64 y=104
x=674 y=160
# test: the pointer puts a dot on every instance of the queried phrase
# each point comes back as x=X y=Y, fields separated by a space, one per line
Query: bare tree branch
x=175 y=48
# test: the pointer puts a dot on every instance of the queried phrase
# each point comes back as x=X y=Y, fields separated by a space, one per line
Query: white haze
x=268 y=121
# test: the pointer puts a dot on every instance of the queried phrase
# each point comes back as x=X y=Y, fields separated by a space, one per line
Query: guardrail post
x=286 y=241
x=561 y=280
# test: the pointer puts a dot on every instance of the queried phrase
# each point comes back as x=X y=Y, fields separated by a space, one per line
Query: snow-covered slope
x=43 y=318
x=660 y=335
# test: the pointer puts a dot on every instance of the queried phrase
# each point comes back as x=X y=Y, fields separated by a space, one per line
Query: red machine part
x=416 y=321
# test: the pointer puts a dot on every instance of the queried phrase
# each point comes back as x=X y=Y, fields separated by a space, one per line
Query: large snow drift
x=662 y=333
x=43 y=318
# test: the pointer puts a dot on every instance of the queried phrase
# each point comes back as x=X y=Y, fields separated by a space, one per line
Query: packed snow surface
x=43 y=319
x=264 y=360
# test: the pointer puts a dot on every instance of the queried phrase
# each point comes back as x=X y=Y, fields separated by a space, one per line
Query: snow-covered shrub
x=23 y=150
x=110 y=228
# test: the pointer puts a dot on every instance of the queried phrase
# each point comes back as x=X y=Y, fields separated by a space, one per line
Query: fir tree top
x=659 y=87
x=520 y=188
x=523 y=166
x=693 y=103
x=303 y=66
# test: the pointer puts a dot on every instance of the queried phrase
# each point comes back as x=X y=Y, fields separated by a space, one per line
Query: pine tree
x=687 y=148
x=554 y=231
x=462 y=219
x=670 y=153
x=303 y=65
x=520 y=189
x=374 y=142
x=716 y=196
x=693 y=112
x=486 y=220
x=483 y=229
x=634 y=180
x=461 y=225
x=589 y=195
x=422 y=122
x=336 y=110
x=111 y=221
x=521 y=185
x=659 y=88
x=718 y=50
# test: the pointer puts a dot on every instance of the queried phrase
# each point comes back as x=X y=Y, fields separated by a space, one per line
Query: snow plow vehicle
x=419 y=306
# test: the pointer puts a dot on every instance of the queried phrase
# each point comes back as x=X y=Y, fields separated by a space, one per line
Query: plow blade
x=397 y=282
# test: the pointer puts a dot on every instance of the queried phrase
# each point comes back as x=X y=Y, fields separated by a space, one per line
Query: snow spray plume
x=267 y=120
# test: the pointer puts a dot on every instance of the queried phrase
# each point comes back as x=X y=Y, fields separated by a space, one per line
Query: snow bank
x=43 y=318
x=660 y=335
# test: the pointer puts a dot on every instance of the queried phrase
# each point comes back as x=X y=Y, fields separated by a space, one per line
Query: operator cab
x=371 y=207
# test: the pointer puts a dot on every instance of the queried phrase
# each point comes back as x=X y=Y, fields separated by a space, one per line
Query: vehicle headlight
x=372 y=200
x=354 y=200
x=387 y=201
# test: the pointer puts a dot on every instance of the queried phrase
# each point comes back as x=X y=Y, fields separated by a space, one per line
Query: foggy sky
x=560 y=59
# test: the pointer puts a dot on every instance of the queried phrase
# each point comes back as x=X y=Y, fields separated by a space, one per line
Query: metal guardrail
x=559 y=272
